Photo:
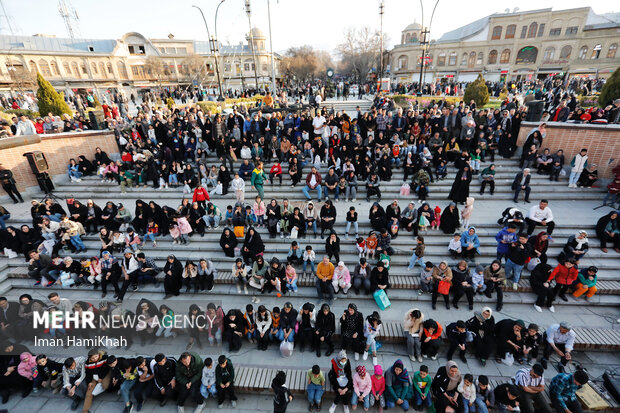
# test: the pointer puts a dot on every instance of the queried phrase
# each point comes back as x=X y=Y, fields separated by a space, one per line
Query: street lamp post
x=426 y=41
x=212 y=46
x=215 y=42
x=248 y=11
x=273 y=67
x=381 y=11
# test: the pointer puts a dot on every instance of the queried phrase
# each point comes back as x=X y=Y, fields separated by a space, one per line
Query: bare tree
x=359 y=51
x=155 y=68
x=302 y=64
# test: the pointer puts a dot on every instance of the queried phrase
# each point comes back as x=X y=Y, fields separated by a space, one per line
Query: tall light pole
x=426 y=41
x=273 y=67
x=381 y=11
x=212 y=47
x=248 y=11
x=216 y=47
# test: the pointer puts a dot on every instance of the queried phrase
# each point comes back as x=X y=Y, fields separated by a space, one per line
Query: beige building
x=514 y=46
x=131 y=62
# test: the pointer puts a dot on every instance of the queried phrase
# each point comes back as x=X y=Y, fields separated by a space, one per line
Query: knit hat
x=378 y=370
x=520 y=323
x=342 y=355
x=361 y=370
x=479 y=268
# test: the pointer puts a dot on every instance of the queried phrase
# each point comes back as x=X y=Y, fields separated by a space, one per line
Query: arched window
x=471 y=62
x=403 y=62
x=122 y=70
x=549 y=53
x=510 y=31
x=464 y=59
x=93 y=69
x=527 y=54
x=492 y=57
x=452 y=59
x=33 y=66
x=110 y=69
x=479 y=58
x=583 y=52
x=75 y=70
x=102 y=70
x=83 y=68
x=505 y=56
x=44 y=68
x=67 y=68
x=54 y=67
x=611 y=53
x=565 y=52
x=532 y=30
x=497 y=33
x=441 y=59
x=407 y=38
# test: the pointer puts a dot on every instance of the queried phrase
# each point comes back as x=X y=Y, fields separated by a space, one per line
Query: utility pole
x=273 y=67
x=381 y=11
x=248 y=11
x=426 y=39
x=216 y=49
x=423 y=41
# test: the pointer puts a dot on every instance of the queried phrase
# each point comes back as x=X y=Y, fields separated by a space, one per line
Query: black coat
x=517 y=181
x=449 y=220
x=460 y=187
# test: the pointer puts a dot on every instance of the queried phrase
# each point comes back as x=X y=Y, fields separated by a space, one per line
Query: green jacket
x=583 y=278
x=258 y=177
x=422 y=385
x=190 y=374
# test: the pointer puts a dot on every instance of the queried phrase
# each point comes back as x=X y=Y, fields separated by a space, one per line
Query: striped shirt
x=523 y=378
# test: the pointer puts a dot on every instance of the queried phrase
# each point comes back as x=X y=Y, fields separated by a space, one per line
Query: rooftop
x=56 y=44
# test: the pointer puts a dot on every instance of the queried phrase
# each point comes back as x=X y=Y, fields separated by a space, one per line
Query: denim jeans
x=417 y=397
x=573 y=178
x=306 y=190
x=315 y=392
x=351 y=192
x=292 y=286
x=280 y=336
x=511 y=268
x=4 y=218
x=252 y=335
x=165 y=331
x=404 y=406
x=77 y=242
x=415 y=260
x=366 y=400
x=313 y=226
x=213 y=221
x=355 y=227
x=126 y=389
x=211 y=391
x=310 y=263
x=481 y=406
x=149 y=235
x=217 y=338
x=372 y=343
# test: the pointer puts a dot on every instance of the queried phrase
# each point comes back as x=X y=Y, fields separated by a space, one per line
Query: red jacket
x=564 y=275
x=276 y=169
x=436 y=334
x=200 y=194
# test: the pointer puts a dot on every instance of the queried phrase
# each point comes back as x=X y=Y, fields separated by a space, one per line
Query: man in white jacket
x=540 y=215
x=579 y=162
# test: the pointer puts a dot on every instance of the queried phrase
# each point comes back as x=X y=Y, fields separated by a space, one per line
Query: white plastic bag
x=10 y=253
x=508 y=359
x=294 y=233
x=286 y=349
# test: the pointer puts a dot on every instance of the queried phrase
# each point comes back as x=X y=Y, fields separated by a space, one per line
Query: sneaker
x=420 y=359
x=220 y=406
x=434 y=357
x=357 y=356
x=333 y=408
x=552 y=309
x=411 y=358
x=365 y=356
x=346 y=409
x=538 y=308
x=515 y=286
x=37 y=283
x=233 y=403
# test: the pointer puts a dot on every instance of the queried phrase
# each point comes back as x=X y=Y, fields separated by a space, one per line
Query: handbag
x=239 y=231
x=444 y=287
x=381 y=299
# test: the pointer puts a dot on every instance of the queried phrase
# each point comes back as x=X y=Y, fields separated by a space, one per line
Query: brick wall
x=602 y=142
x=58 y=149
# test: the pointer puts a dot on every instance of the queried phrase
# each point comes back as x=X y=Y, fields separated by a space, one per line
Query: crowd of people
x=195 y=379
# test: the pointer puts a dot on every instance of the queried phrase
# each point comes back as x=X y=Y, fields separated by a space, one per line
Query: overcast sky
x=319 y=23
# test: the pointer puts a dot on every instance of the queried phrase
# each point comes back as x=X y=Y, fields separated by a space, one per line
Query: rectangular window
x=141 y=50
x=131 y=50
x=555 y=32
x=571 y=30
x=541 y=30
x=510 y=31
x=246 y=66
x=523 y=32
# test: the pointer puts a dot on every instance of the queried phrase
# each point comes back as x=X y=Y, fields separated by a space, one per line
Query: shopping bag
x=10 y=253
x=508 y=359
x=405 y=189
x=286 y=349
x=381 y=299
x=294 y=233
x=444 y=287
x=218 y=189
x=239 y=231
x=377 y=344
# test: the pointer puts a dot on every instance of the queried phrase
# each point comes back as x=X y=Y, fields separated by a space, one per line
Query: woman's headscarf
x=479 y=315
x=454 y=381
x=403 y=377
x=361 y=370
x=582 y=241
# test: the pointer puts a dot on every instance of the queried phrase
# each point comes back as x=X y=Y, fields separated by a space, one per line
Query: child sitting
x=371 y=245
x=294 y=254
x=229 y=216
x=118 y=241
x=477 y=279
x=250 y=218
x=454 y=248
x=418 y=254
x=360 y=244
x=152 y=230
x=426 y=278
x=437 y=220
x=378 y=388
x=468 y=391
x=372 y=326
x=291 y=278
x=421 y=388
x=259 y=211
x=208 y=387
x=441 y=171
x=309 y=257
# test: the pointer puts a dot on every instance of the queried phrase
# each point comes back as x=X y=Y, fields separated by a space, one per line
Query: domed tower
x=411 y=34
x=257 y=37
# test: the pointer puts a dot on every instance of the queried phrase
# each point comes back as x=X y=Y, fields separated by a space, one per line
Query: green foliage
x=49 y=100
x=611 y=89
x=20 y=112
x=170 y=103
x=96 y=101
x=478 y=91
x=209 y=106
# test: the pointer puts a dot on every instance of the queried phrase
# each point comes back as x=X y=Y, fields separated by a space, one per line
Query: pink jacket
x=259 y=209
x=343 y=277
x=112 y=167
x=378 y=385
x=27 y=365
x=130 y=241
x=362 y=385
x=183 y=225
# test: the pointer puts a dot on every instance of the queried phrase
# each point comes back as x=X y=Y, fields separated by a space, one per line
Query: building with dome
x=133 y=62
x=518 y=45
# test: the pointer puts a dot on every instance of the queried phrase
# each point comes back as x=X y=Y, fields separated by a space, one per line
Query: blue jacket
x=467 y=240
x=505 y=236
